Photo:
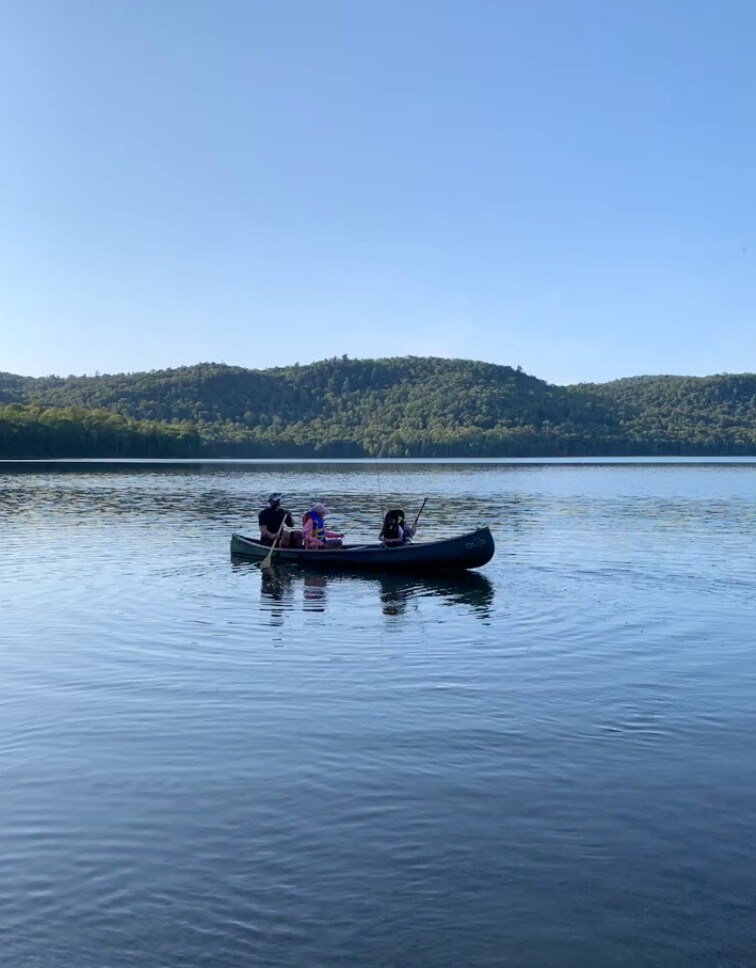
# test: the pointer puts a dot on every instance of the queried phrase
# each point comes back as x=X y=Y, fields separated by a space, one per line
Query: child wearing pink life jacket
x=316 y=535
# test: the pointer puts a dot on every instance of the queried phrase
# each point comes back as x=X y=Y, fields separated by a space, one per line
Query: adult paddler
x=272 y=518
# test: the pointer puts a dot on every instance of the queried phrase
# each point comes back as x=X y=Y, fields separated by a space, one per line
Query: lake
x=546 y=763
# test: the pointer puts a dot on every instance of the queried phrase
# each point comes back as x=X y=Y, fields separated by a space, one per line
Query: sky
x=568 y=186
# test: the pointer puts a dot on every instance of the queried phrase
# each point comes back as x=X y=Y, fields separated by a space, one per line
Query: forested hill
x=683 y=414
x=413 y=406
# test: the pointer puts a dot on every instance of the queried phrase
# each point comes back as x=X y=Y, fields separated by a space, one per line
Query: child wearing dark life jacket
x=395 y=529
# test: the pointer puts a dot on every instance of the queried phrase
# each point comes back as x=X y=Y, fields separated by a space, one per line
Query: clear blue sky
x=564 y=185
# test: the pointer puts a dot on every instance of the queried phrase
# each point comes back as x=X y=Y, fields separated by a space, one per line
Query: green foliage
x=413 y=406
x=34 y=431
x=684 y=415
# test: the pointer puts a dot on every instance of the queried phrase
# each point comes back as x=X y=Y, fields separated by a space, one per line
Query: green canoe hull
x=470 y=550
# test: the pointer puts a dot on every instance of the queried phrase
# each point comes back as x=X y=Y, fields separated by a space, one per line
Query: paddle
x=417 y=517
x=265 y=563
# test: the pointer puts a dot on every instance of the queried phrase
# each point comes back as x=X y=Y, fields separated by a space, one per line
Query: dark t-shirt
x=271 y=518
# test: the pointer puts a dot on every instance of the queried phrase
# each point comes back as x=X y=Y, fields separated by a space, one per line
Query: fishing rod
x=378 y=476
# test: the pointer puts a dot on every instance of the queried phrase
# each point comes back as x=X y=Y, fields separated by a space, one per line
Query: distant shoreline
x=384 y=461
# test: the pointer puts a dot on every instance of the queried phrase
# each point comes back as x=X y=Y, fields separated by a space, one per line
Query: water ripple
x=538 y=764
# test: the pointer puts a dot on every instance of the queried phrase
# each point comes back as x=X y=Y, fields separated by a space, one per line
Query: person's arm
x=289 y=520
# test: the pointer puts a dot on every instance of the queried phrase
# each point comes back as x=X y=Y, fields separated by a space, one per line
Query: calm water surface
x=548 y=763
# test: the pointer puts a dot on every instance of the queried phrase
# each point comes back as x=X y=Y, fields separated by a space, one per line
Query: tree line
x=400 y=407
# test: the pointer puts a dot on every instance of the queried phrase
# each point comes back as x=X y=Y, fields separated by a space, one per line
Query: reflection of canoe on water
x=450 y=554
x=453 y=588
x=397 y=590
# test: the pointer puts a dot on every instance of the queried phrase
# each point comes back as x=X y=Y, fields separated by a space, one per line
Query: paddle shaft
x=265 y=563
x=417 y=517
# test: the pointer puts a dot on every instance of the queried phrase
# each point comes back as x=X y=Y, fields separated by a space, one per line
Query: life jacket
x=393 y=526
x=319 y=530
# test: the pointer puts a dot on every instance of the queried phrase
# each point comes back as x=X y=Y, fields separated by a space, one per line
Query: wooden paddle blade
x=265 y=563
x=267 y=560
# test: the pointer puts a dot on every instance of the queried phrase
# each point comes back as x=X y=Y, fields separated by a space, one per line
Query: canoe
x=450 y=554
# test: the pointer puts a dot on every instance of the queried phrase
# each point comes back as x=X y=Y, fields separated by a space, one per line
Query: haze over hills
x=398 y=407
